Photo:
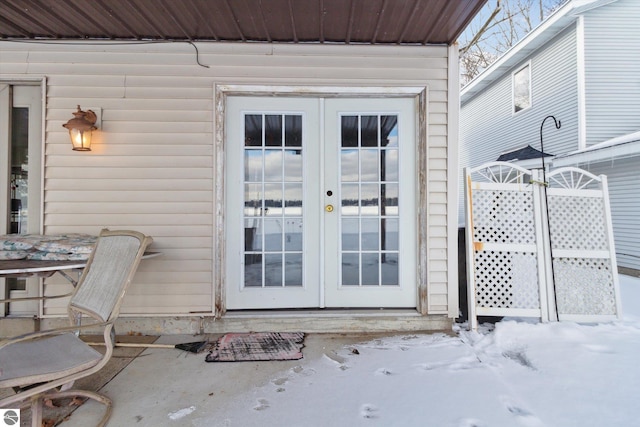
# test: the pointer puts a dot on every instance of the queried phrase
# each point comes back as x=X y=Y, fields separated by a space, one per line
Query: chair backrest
x=109 y=271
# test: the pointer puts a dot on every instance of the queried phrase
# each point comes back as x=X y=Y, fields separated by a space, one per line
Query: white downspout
x=453 y=141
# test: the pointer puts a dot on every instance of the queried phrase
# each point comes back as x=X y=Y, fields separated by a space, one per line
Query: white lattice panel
x=506 y=280
x=584 y=287
x=503 y=216
x=577 y=222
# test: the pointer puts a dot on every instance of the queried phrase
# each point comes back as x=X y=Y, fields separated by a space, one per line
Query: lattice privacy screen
x=524 y=256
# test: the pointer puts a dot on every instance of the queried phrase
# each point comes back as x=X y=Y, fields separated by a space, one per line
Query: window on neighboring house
x=522 y=89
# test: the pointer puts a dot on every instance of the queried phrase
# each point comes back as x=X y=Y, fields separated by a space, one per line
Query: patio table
x=46 y=268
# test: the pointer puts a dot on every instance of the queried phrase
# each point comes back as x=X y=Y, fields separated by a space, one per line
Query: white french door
x=369 y=190
x=320 y=203
x=272 y=206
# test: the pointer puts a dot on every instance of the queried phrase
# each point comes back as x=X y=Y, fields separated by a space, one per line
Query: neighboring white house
x=581 y=65
x=289 y=155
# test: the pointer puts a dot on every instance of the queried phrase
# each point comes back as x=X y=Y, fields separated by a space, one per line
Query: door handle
x=328 y=208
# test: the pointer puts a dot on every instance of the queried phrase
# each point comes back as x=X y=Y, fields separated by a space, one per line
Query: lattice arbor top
x=500 y=172
x=522 y=252
x=574 y=179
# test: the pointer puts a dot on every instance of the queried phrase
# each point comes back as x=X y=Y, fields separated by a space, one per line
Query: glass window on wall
x=522 y=89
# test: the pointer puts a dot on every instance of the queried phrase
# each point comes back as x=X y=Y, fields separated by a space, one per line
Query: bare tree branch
x=500 y=27
x=483 y=29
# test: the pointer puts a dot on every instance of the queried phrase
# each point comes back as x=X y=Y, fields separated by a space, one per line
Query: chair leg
x=90 y=395
x=36 y=411
x=36 y=403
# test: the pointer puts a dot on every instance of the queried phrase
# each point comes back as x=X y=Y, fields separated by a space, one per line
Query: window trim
x=513 y=89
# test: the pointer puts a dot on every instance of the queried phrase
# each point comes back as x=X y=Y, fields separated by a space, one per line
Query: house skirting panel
x=393 y=321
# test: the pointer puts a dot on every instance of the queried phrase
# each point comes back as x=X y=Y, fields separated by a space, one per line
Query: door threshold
x=306 y=313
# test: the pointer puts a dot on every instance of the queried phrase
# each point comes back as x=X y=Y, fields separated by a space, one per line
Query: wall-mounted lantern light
x=80 y=128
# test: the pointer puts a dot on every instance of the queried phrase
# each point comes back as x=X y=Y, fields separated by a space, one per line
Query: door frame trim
x=220 y=94
x=41 y=81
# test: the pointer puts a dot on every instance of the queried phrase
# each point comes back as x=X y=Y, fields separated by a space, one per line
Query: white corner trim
x=453 y=140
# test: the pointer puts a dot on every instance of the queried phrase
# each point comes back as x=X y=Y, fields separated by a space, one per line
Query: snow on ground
x=518 y=373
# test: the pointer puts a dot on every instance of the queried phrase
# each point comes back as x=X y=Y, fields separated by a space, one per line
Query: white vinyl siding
x=152 y=164
x=623 y=177
x=612 y=70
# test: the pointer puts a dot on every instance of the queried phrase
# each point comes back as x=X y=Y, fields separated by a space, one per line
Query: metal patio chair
x=45 y=364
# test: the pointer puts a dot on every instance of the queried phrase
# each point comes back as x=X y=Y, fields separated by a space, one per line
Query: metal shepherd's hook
x=546 y=204
x=558 y=124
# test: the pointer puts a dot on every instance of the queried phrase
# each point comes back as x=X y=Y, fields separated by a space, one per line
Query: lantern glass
x=80 y=128
x=81 y=140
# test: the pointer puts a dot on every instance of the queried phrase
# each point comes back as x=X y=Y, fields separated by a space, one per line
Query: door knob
x=328 y=208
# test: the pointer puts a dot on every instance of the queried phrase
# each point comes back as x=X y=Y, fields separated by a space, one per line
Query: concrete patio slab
x=162 y=386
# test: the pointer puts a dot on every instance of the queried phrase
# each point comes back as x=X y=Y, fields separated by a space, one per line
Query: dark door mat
x=257 y=346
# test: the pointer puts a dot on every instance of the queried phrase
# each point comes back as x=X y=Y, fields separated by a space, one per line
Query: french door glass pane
x=389 y=228
x=350 y=234
x=273 y=130
x=350 y=269
x=369 y=200
x=350 y=196
x=350 y=163
x=272 y=238
x=293 y=235
x=293 y=131
x=252 y=200
x=389 y=164
x=293 y=199
x=273 y=269
x=273 y=165
x=369 y=164
x=293 y=269
x=293 y=165
x=273 y=200
x=349 y=131
x=389 y=199
x=370 y=265
x=389 y=264
x=370 y=236
x=19 y=170
x=369 y=131
x=253 y=130
x=273 y=194
x=19 y=181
